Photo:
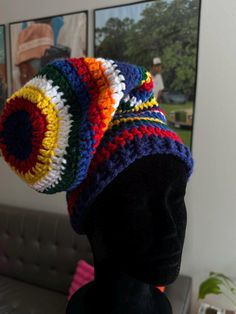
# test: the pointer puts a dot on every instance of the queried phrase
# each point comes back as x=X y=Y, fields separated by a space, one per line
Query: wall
x=211 y=196
x=211 y=199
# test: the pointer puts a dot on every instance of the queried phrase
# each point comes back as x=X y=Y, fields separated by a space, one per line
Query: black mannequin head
x=138 y=222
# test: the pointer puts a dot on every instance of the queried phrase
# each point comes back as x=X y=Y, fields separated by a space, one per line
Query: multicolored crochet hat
x=80 y=122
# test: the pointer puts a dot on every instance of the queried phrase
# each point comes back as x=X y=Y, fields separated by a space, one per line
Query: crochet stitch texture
x=79 y=123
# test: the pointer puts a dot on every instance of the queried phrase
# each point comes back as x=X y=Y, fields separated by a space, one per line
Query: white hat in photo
x=156 y=60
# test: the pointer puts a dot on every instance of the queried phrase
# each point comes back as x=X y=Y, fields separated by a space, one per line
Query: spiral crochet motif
x=77 y=124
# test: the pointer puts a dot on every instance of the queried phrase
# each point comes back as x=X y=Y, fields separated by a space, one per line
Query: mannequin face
x=139 y=220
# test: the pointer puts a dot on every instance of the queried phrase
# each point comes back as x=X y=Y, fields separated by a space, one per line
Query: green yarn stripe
x=72 y=151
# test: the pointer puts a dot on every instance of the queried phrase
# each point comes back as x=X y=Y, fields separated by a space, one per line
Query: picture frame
x=210 y=309
x=36 y=42
x=3 y=67
x=161 y=32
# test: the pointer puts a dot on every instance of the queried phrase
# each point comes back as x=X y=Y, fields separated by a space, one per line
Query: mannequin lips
x=162 y=259
x=154 y=272
x=169 y=260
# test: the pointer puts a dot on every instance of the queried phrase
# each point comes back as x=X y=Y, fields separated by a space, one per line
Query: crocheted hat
x=79 y=123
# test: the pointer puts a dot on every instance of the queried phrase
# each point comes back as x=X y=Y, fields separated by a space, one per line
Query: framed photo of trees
x=3 y=67
x=36 y=42
x=161 y=35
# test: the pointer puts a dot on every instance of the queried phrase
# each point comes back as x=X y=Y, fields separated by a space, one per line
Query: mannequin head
x=138 y=222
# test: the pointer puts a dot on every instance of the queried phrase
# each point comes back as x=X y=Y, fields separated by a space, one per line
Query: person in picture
x=32 y=43
x=157 y=78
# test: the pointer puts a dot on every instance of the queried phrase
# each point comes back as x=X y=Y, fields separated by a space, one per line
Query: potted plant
x=218 y=283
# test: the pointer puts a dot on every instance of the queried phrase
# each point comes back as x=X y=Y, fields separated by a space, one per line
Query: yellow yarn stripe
x=49 y=143
x=149 y=104
x=146 y=105
x=148 y=79
x=117 y=122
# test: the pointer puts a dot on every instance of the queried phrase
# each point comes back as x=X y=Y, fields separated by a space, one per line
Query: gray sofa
x=38 y=255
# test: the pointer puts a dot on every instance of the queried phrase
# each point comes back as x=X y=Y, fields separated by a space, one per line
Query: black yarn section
x=17 y=135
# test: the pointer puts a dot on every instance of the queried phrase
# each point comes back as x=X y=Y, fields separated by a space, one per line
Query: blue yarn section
x=17 y=134
x=85 y=136
x=142 y=95
x=76 y=84
x=133 y=78
x=132 y=74
x=121 y=159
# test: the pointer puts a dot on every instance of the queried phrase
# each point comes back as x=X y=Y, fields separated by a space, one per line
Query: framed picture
x=161 y=35
x=3 y=67
x=34 y=43
x=209 y=309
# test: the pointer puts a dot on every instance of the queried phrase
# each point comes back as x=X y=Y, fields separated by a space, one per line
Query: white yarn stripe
x=115 y=79
x=54 y=176
x=132 y=101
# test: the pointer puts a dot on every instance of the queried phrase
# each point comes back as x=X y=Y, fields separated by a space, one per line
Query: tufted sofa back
x=40 y=248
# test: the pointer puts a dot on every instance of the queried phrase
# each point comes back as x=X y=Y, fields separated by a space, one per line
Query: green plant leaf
x=210 y=286
x=226 y=278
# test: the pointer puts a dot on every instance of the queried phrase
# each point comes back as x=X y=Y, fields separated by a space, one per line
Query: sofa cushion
x=40 y=247
x=22 y=298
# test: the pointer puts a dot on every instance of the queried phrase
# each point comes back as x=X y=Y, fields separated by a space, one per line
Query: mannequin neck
x=118 y=286
x=114 y=292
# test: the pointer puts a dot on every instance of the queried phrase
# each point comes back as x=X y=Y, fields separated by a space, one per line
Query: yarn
x=80 y=122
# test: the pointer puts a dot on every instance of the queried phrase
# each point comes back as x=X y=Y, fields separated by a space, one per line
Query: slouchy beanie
x=79 y=123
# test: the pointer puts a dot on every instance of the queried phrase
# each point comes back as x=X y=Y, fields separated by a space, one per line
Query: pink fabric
x=84 y=273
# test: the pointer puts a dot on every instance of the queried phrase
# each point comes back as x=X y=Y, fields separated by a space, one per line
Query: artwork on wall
x=34 y=43
x=161 y=35
x=3 y=67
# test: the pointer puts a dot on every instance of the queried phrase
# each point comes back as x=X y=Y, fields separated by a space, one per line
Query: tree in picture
x=167 y=29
